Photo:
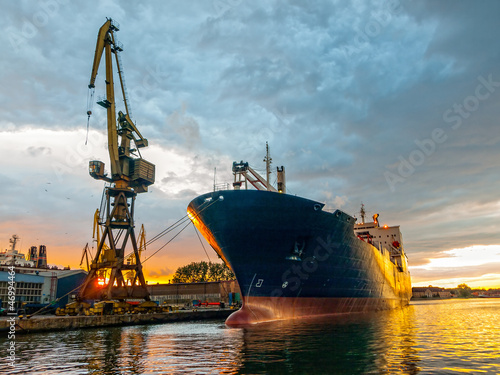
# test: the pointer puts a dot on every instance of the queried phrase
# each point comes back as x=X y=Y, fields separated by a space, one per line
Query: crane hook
x=88 y=124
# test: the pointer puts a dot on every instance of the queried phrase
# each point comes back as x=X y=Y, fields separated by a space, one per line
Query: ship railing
x=222 y=186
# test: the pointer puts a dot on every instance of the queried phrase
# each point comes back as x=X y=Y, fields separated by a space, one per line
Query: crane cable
x=90 y=103
x=201 y=242
x=78 y=287
x=185 y=226
x=167 y=230
x=175 y=225
x=155 y=239
x=205 y=250
x=52 y=302
x=179 y=222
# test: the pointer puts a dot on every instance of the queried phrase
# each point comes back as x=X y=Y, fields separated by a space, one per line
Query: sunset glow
x=393 y=108
x=475 y=255
x=473 y=265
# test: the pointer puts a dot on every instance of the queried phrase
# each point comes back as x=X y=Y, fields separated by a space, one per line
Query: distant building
x=444 y=294
x=185 y=293
x=482 y=293
x=40 y=287
x=430 y=292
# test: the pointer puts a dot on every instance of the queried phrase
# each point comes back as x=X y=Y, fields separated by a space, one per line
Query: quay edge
x=67 y=323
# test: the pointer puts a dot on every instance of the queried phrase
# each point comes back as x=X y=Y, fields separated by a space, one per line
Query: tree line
x=197 y=272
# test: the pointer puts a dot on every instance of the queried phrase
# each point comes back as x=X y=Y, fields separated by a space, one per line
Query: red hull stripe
x=262 y=309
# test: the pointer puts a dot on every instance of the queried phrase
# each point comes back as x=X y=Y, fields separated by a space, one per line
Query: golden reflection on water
x=397 y=341
x=382 y=342
x=460 y=336
x=427 y=337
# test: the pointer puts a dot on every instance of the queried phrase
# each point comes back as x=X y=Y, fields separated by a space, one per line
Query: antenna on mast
x=215 y=172
x=268 y=160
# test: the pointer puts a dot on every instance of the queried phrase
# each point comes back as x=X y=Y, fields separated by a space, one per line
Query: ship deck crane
x=243 y=174
x=129 y=176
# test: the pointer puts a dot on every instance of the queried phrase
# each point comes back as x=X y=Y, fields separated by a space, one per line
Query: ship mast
x=268 y=160
x=243 y=173
x=13 y=241
x=363 y=213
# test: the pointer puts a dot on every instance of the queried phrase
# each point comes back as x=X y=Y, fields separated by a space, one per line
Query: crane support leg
x=110 y=255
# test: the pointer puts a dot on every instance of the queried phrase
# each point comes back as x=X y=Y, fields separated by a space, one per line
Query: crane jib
x=127 y=171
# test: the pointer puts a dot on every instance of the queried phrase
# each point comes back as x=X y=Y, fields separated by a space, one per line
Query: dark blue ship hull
x=292 y=259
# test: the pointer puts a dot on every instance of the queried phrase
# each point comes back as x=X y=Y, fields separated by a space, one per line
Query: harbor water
x=428 y=337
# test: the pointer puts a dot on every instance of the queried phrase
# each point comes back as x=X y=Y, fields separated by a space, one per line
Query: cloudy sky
x=394 y=104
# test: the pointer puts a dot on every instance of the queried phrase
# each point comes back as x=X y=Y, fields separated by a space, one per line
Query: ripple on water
x=428 y=337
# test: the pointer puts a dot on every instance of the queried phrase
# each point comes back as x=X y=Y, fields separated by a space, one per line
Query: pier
x=66 y=323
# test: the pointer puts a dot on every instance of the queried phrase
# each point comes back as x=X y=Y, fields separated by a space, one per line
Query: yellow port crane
x=131 y=258
x=129 y=176
x=126 y=171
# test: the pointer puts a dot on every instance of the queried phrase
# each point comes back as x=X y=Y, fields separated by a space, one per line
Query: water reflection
x=459 y=335
x=349 y=344
x=117 y=351
x=426 y=337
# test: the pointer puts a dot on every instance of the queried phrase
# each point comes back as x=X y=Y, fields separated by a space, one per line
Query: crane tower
x=110 y=277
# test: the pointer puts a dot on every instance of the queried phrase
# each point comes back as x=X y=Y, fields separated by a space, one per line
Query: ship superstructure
x=382 y=237
x=12 y=257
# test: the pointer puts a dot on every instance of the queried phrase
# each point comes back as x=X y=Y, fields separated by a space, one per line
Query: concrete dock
x=66 y=323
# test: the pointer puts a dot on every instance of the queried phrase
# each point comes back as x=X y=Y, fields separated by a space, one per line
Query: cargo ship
x=12 y=257
x=293 y=258
x=36 y=259
x=37 y=284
